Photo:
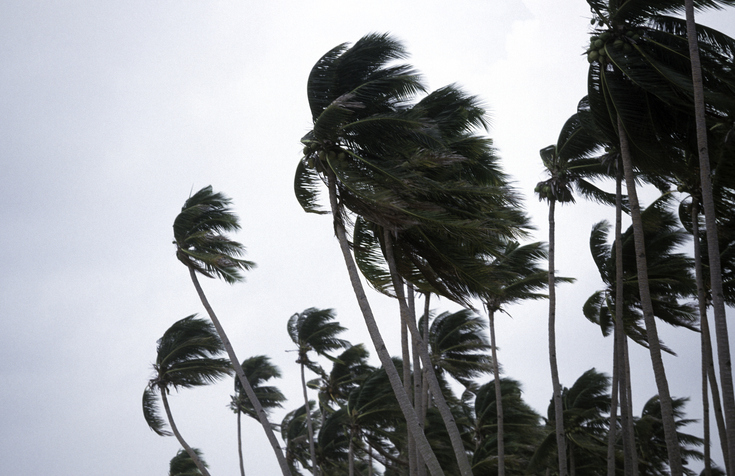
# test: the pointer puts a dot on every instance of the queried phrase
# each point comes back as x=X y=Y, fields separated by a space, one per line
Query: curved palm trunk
x=309 y=425
x=262 y=416
x=498 y=395
x=451 y=425
x=654 y=344
x=558 y=407
x=630 y=458
x=422 y=444
x=239 y=442
x=192 y=454
x=713 y=246
x=708 y=371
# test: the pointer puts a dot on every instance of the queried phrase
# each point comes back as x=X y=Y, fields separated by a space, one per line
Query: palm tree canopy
x=186 y=357
x=258 y=370
x=458 y=347
x=183 y=465
x=315 y=330
x=669 y=273
x=199 y=236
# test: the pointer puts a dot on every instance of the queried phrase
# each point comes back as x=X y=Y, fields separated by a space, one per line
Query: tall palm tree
x=258 y=370
x=201 y=244
x=314 y=330
x=516 y=277
x=186 y=357
x=718 y=299
x=376 y=157
x=640 y=92
x=569 y=164
x=183 y=465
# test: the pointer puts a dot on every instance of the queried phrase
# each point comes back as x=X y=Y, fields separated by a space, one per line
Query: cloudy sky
x=111 y=113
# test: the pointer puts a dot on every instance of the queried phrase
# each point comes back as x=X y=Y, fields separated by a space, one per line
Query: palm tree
x=650 y=439
x=183 y=465
x=258 y=370
x=201 y=244
x=296 y=437
x=522 y=431
x=640 y=94
x=313 y=330
x=186 y=357
x=517 y=277
x=568 y=163
x=585 y=406
x=376 y=156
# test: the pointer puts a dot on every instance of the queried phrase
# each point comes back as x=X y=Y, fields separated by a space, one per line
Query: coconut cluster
x=313 y=150
x=619 y=40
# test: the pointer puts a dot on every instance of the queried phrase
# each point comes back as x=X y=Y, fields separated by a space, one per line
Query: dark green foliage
x=183 y=465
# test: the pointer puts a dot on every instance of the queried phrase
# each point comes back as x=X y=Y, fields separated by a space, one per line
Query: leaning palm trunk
x=498 y=395
x=406 y=356
x=630 y=458
x=239 y=442
x=309 y=424
x=262 y=416
x=612 y=432
x=558 y=408
x=422 y=444
x=708 y=371
x=713 y=246
x=451 y=425
x=192 y=454
x=420 y=467
x=654 y=344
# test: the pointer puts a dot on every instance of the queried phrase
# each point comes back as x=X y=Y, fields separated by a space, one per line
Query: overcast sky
x=111 y=113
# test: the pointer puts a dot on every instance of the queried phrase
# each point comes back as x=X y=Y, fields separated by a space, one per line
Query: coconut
x=599 y=43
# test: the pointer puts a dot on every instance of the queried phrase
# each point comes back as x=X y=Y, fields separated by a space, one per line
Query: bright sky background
x=111 y=113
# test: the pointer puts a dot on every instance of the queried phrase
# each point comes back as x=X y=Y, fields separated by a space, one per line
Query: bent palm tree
x=201 y=244
x=186 y=357
x=313 y=330
x=258 y=370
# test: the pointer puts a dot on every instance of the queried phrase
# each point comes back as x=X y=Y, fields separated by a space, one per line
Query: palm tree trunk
x=192 y=454
x=702 y=303
x=713 y=246
x=406 y=356
x=630 y=459
x=309 y=425
x=417 y=380
x=262 y=416
x=498 y=394
x=422 y=444
x=451 y=425
x=351 y=454
x=558 y=407
x=654 y=344
x=239 y=442
x=613 y=426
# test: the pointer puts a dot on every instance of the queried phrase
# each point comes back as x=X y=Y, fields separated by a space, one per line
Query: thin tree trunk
x=239 y=442
x=417 y=380
x=613 y=425
x=351 y=454
x=498 y=394
x=192 y=454
x=262 y=416
x=654 y=344
x=406 y=356
x=713 y=246
x=702 y=304
x=454 y=435
x=309 y=425
x=558 y=407
x=422 y=444
x=630 y=460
